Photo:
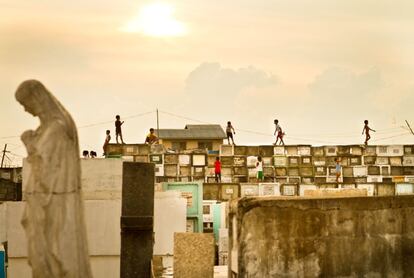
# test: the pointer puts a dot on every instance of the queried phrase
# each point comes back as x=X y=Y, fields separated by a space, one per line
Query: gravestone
x=137 y=219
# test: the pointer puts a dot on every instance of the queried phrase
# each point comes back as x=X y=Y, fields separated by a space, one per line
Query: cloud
x=341 y=88
x=341 y=99
x=211 y=79
x=218 y=94
x=365 y=94
x=342 y=83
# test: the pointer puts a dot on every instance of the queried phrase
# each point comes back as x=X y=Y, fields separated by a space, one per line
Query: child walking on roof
x=279 y=133
x=230 y=131
x=366 y=130
x=118 y=129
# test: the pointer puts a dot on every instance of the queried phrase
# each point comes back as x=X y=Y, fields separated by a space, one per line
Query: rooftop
x=203 y=132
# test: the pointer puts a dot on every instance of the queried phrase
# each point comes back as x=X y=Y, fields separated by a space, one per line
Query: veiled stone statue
x=53 y=217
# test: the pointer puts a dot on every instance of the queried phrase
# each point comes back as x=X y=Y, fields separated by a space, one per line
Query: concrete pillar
x=137 y=219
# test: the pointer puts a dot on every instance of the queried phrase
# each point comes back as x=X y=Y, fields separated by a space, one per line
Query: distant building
x=10 y=184
x=192 y=137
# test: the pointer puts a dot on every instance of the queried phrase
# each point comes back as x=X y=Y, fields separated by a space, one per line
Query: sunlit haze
x=156 y=20
x=321 y=67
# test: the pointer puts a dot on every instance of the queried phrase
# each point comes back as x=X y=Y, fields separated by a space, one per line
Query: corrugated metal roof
x=203 y=132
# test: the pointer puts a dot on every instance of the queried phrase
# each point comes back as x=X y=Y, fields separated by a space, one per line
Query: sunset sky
x=320 y=66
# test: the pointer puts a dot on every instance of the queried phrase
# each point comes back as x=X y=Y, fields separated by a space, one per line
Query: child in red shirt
x=217 y=169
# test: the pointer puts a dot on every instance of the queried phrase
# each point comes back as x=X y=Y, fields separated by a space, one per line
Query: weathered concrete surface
x=101 y=179
x=102 y=220
x=336 y=192
x=334 y=237
x=104 y=238
x=193 y=255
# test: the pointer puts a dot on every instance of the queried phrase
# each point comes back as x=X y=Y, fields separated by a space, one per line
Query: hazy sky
x=320 y=66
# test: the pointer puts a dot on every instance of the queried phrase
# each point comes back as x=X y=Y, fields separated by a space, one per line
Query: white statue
x=53 y=217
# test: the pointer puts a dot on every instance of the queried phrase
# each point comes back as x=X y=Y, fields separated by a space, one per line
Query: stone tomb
x=193 y=255
x=312 y=237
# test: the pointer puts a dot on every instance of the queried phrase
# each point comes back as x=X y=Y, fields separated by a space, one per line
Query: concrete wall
x=3 y=226
x=170 y=210
x=103 y=230
x=336 y=237
x=102 y=188
x=217 y=144
x=102 y=266
x=101 y=178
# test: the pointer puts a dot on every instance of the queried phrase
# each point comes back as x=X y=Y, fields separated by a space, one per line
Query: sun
x=156 y=20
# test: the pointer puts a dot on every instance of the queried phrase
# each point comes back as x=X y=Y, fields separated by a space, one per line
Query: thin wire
x=294 y=137
x=16 y=148
x=18 y=155
x=7 y=160
x=107 y=122
x=386 y=130
x=9 y=137
x=385 y=138
x=351 y=134
x=183 y=117
x=90 y=125
x=12 y=144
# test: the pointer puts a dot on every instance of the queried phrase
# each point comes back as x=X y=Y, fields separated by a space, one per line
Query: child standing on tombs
x=366 y=130
x=259 y=168
x=107 y=139
x=118 y=129
x=337 y=169
x=230 y=131
x=217 y=169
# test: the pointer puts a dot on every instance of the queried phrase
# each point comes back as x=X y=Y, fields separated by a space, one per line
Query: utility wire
x=296 y=137
x=386 y=130
x=183 y=117
x=107 y=122
x=411 y=130
x=84 y=126
x=10 y=137
x=351 y=134
x=16 y=154
x=91 y=125
x=395 y=136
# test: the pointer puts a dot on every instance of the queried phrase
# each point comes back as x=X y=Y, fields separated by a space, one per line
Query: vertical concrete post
x=2 y=261
x=137 y=219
